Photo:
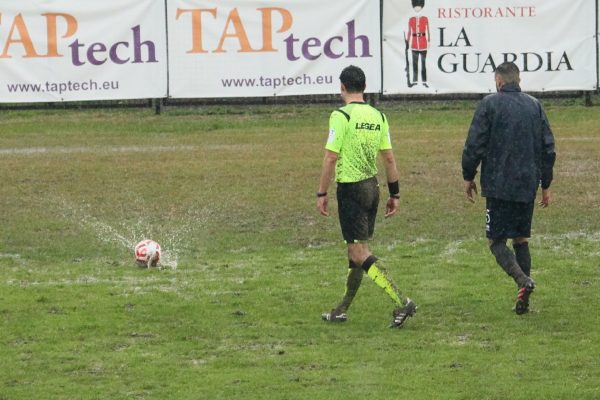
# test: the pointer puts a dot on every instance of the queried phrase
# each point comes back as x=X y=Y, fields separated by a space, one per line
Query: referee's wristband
x=394 y=188
x=321 y=194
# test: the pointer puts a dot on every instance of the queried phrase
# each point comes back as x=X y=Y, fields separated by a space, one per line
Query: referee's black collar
x=358 y=102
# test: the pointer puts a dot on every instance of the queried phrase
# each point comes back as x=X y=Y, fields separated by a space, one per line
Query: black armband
x=394 y=188
x=321 y=194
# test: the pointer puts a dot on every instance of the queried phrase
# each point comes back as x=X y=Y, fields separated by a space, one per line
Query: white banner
x=230 y=48
x=66 y=50
x=453 y=46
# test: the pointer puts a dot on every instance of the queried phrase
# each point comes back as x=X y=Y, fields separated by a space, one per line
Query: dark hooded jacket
x=511 y=137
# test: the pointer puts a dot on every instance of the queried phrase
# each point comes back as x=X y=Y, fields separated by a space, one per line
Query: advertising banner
x=453 y=46
x=229 y=48
x=66 y=50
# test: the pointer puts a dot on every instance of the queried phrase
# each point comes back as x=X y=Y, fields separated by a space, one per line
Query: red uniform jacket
x=418 y=32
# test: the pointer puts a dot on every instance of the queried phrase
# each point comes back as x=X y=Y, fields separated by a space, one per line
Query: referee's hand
x=470 y=190
x=391 y=207
x=322 y=205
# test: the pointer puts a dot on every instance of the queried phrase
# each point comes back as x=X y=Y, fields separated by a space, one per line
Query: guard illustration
x=417 y=40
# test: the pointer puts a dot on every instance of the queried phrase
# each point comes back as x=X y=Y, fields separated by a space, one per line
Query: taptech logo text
x=61 y=40
x=275 y=23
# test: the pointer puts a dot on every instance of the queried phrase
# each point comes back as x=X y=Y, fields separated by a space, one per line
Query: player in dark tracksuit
x=511 y=137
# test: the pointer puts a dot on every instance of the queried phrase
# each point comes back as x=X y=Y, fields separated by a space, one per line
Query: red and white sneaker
x=522 y=305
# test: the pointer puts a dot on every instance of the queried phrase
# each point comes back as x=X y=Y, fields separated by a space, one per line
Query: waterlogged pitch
x=229 y=195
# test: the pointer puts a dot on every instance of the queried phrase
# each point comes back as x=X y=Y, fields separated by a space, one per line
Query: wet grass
x=229 y=193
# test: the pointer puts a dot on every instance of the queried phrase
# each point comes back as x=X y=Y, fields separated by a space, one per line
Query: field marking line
x=30 y=151
x=41 y=151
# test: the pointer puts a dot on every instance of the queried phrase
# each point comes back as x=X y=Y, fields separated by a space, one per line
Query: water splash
x=173 y=241
x=128 y=236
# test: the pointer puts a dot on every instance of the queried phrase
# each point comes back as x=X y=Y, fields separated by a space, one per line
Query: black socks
x=508 y=261
x=523 y=257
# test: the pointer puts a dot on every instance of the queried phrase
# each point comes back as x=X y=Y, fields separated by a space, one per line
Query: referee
x=357 y=133
x=511 y=137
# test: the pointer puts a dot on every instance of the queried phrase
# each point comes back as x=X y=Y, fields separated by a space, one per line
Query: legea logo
x=19 y=42
x=234 y=33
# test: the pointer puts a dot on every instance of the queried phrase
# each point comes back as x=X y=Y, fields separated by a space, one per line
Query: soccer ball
x=147 y=253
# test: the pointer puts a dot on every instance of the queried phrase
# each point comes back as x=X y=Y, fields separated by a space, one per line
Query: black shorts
x=357 y=206
x=507 y=219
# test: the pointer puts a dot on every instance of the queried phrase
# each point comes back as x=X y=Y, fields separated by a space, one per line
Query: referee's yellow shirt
x=357 y=132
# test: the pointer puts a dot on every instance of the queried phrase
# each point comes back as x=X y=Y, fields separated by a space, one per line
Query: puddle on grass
x=172 y=241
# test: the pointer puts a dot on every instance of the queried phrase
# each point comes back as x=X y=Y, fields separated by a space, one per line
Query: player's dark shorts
x=357 y=206
x=507 y=219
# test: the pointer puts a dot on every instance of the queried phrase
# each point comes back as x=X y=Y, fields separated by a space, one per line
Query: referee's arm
x=327 y=172
x=391 y=173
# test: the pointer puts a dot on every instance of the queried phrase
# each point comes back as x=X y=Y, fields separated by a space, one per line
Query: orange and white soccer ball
x=147 y=253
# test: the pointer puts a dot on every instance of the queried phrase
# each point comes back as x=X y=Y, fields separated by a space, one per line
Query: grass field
x=229 y=193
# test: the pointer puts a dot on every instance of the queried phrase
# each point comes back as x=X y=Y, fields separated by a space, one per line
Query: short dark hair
x=509 y=72
x=353 y=78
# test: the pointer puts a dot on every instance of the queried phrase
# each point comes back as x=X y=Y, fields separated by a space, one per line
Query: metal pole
x=597 y=48
x=381 y=44
x=159 y=109
x=157 y=104
x=587 y=98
